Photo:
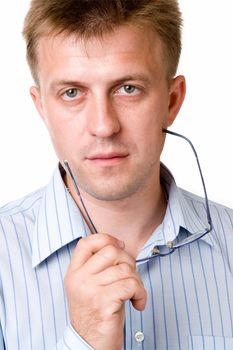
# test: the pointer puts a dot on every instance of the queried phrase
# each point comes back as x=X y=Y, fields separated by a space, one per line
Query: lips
x=106 y=156
x=107 y=159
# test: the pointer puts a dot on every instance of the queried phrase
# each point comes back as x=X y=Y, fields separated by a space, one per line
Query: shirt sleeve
x=71 y=341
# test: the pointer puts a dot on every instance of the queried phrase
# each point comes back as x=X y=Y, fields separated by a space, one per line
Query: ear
x=177 y=93
x=36 y=98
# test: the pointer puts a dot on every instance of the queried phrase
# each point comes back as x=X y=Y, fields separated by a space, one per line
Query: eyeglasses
x=170 y=246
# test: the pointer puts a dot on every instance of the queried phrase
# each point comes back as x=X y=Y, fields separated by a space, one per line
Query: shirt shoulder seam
x=21 y=205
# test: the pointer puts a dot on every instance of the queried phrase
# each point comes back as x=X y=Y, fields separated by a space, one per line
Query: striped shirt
x=190 y=292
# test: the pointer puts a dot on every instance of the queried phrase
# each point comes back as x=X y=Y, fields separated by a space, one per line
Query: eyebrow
x=140 y=77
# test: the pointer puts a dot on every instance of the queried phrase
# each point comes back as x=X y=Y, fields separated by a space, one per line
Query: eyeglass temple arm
x=93 y=228
x=168 y=132
x=200 y=171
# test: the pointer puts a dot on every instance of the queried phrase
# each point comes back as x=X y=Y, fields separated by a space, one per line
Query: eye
x=71 y=93
x=128 y=89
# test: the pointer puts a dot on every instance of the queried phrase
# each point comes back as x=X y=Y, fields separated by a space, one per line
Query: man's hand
x=100 y=278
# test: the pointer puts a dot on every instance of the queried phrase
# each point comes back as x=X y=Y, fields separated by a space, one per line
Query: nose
x=103 y=119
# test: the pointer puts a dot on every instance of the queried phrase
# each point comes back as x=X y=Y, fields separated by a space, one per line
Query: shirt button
x=139 y=336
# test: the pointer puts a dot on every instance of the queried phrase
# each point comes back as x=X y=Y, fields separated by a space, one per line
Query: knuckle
x=101 y=239
x=110 y=252
x=125 y=269
x=104 y=238
x=131 y=285
x=134 y=284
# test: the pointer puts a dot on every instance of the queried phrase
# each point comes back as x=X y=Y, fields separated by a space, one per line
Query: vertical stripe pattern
x=190 y=292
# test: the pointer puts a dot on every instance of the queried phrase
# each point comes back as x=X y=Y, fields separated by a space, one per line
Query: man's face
x=105 y=103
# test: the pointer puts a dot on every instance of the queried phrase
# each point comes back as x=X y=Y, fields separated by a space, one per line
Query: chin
x=107 y=195
x=112 y=192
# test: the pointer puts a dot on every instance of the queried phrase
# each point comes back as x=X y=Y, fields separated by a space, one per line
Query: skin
x=105 y=103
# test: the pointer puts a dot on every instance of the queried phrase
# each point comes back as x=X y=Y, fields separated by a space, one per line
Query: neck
x=144 y=211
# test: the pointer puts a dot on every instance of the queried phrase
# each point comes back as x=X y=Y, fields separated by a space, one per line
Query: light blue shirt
x=190 y=292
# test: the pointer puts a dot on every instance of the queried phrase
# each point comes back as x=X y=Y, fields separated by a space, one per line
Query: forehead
x=127 y=46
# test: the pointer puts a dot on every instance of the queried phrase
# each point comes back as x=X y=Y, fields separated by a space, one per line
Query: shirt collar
x=180 y=217
x=179 y=211
x=60 y=222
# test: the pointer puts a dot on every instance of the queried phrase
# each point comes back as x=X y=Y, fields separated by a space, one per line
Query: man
x=106 y=89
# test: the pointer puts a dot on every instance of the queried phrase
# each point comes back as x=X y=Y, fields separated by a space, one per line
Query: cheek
x=59 y=123
x=148 y=133
x=150 y=124
x=149 y=143
x=60 y=132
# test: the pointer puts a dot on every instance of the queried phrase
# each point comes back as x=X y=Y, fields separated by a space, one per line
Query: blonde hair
x=89 y=18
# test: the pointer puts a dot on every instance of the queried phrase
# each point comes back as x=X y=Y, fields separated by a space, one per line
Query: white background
x=27 y=157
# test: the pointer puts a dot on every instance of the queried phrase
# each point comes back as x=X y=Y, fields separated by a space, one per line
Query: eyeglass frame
x=170 y=245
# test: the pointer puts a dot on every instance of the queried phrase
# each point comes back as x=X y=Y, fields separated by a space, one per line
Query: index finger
x=88 y=246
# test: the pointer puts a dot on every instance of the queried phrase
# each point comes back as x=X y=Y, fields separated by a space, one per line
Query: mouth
x=107 y=159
